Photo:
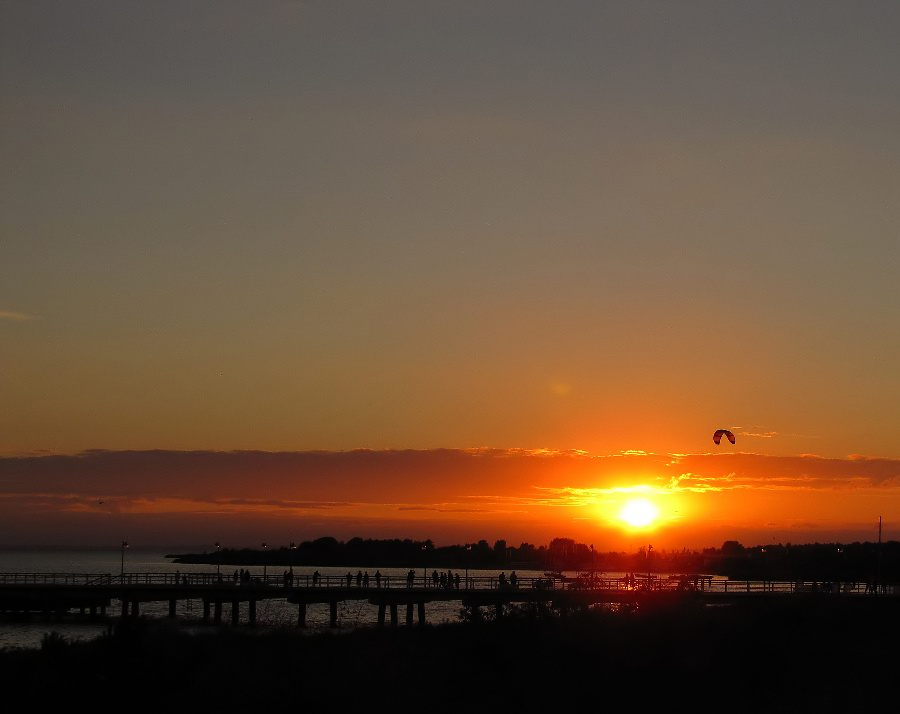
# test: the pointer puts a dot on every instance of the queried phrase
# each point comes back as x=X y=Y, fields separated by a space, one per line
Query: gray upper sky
x=568 y=225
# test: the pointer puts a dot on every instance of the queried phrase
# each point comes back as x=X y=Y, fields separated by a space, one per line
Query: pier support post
x=409 y=613
x=381 y=611
x=301 y=615
x=422 y=613
x=332 y=610
x=235 y=612
x=395 y=620
x=252 y=613
x=172 y=603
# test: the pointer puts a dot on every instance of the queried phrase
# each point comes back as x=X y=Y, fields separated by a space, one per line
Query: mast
x=878 y=559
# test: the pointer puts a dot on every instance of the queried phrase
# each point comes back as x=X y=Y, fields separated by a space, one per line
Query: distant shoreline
x=852 y=562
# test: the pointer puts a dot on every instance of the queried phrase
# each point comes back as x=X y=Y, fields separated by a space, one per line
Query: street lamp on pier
x=124 y=548
x=468 y=553
x=265 y=547
x=218 y=558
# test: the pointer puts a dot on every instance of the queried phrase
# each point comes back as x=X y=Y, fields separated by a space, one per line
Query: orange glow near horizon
x=642 y=509
x=613 y=501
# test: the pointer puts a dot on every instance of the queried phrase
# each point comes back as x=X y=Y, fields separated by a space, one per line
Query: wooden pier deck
x=54 y=595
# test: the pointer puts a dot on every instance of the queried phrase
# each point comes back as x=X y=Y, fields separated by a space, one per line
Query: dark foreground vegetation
x=825 y=654
x=848 y=562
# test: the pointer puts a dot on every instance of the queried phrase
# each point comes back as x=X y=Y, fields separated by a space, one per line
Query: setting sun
x=638 y=513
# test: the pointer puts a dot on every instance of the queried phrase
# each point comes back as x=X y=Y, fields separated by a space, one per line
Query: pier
x=54 y=595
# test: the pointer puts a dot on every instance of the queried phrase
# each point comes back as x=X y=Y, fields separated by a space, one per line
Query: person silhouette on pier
x=513 y=578
x=377 y=578
x=358 y=579
x=316 y=577
x=410 y=578
x=349 y=578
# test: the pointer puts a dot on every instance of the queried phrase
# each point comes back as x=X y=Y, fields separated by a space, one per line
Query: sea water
x=270 y=613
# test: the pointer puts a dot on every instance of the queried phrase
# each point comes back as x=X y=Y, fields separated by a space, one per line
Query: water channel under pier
x=57 y=594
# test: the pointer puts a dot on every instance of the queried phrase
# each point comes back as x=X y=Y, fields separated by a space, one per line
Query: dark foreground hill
x=821 y=655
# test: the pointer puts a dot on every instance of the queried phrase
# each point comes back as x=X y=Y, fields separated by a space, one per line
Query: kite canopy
x=717 y=437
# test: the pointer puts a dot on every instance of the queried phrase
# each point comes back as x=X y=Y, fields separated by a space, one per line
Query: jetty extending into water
x=54 y=595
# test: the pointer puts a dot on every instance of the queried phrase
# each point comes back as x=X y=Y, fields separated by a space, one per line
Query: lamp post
x=218 y=558
x=649 y=583
x=468 y=552
x=841 y=570
x=265 y=547
x=124 y=548
x=424 y=566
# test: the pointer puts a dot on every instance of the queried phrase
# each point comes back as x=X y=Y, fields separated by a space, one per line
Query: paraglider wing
x=717 y=437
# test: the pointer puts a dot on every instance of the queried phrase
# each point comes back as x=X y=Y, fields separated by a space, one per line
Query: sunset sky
x=458 y=270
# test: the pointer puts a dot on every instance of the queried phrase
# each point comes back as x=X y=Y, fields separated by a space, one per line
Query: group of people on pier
x=439 y=579
x=362 y=579
x=445 y=580
x=243 y=577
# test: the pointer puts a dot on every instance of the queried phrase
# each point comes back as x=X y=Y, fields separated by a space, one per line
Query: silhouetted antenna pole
x=878 y=559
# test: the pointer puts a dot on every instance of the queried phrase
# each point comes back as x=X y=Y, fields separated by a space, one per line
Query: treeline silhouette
x=856 y=562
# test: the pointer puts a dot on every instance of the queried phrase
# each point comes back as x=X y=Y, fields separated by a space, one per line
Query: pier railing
x=706 y=584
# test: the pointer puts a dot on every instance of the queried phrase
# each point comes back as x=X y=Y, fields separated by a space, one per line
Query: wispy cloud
x=365 y=492
x=15 y=316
